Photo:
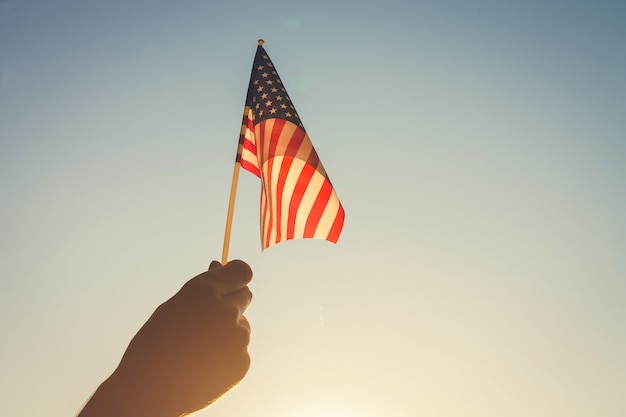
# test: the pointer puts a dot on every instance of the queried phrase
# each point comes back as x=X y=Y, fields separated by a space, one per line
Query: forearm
x=118 y=396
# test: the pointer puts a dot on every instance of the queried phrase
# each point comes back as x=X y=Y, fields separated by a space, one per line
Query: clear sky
x=478 y=148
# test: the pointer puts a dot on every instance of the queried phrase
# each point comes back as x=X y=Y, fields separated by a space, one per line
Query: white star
x=273 y=111
x=268 y=103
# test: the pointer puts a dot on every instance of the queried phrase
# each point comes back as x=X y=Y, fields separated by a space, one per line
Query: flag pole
x=231 y=208
x=233 y=193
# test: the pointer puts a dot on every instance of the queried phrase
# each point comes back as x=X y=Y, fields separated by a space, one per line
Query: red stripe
x=313 y=159
x=250 y=167
x=250 y=146
x=295 y=142
x=317 y=209
x=335 y=229
x=276 y=137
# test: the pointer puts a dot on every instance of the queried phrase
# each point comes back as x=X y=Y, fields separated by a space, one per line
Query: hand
x=191 y=351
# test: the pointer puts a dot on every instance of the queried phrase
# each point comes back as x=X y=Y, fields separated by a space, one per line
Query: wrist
x=122 y=396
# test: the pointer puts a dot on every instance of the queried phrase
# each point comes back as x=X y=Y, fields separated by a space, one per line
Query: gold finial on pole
x=261 y=42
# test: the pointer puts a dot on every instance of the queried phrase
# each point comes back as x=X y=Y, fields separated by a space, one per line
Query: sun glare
x=327 y=412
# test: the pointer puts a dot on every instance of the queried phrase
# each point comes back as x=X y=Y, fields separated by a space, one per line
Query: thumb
x=214 y=265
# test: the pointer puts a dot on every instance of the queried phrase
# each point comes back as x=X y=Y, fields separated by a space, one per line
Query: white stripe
x=276 y=161
x=264 y=221
x=249 y=134
x=261 y=224
x=310 y=195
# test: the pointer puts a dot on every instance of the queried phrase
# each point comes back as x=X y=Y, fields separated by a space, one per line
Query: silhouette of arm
x=190 y=351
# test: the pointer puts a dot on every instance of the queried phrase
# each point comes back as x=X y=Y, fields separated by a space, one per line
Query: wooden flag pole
x=231 y=209
x=233 y=193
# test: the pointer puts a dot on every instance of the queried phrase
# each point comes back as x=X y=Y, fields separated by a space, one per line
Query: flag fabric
x=297 y=197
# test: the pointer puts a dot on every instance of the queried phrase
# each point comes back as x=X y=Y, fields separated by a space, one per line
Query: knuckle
x=241 y=267
x=243 y=321
x=243 y=336
x=246 y=295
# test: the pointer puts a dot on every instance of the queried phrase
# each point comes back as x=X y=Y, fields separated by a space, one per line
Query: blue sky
x=478 y=149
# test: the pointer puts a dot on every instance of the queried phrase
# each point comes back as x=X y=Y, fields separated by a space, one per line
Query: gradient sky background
x=478 y=148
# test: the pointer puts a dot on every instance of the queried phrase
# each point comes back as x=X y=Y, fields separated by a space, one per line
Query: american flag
x=297 y=198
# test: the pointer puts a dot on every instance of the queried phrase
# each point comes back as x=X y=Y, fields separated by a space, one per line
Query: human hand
x=190 y=351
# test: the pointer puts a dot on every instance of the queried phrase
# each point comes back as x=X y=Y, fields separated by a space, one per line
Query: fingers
x=238 y=338
x=240 y=335
x=243 y=322
x=230 y=278
x=240 y=299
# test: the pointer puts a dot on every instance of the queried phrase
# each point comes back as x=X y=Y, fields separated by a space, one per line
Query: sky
x=478 y=148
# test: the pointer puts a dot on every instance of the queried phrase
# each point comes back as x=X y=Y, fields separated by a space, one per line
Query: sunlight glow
x=328 y=413
x=330 y=410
